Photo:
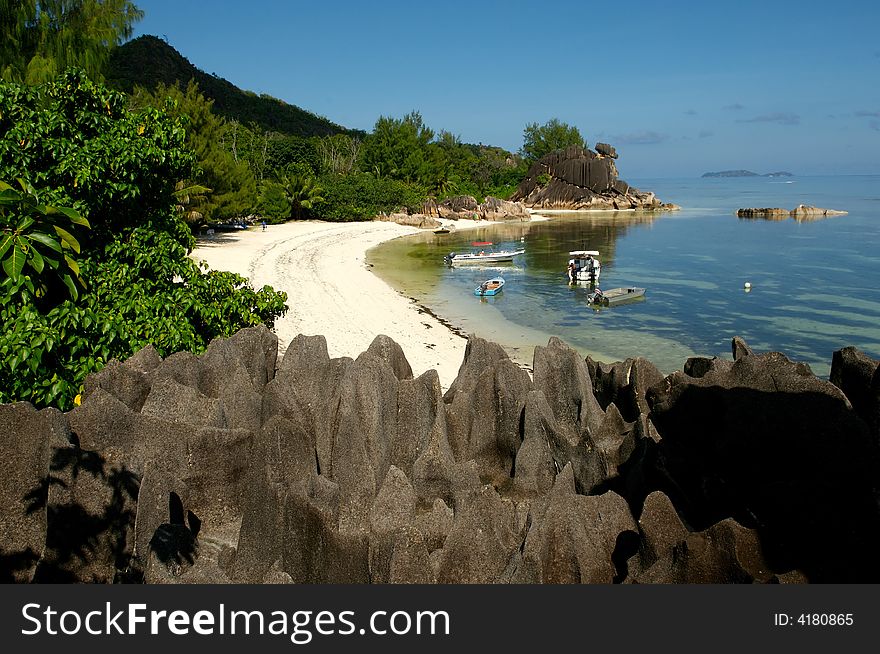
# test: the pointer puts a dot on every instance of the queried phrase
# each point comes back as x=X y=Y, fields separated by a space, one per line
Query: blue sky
x=679 y=88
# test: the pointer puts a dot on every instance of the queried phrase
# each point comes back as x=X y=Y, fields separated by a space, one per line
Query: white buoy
x=747 y=285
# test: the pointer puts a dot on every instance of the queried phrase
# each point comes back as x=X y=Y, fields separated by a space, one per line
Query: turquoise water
x=815 y=286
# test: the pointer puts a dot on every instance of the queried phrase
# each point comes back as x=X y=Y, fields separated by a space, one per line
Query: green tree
x=272 y=203
x=78 y=145
x=228 y=187
x=539 y=140
x=399 y=149
x=41 y=38
x=302 y=192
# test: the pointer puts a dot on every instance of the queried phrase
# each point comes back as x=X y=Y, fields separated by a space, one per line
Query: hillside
x=148 y=60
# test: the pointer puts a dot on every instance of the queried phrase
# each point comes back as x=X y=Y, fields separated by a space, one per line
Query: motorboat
x=615 y=296
x=481 y=257
x=584 y=266
x=445 y=229
x=490 y=287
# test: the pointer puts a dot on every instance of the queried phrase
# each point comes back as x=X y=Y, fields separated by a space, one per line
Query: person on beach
x=264 y=225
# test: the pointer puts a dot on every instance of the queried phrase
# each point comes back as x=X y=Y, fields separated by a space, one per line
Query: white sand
x=331 y=292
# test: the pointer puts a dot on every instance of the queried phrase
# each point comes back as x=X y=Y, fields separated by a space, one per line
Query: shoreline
x=332 y=291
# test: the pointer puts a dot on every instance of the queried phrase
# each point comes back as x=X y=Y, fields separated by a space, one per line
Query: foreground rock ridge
x=235 y=466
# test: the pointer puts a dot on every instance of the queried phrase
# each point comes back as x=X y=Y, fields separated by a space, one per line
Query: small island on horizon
x=746 y=173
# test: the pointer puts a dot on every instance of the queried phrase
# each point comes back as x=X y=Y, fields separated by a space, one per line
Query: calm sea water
x=815 y=286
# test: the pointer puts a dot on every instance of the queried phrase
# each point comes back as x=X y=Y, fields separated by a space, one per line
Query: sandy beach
x=332 y=292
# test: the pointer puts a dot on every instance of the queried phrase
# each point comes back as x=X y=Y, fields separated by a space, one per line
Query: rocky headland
x=581 y=179
x=235 y=466
x=800 y=213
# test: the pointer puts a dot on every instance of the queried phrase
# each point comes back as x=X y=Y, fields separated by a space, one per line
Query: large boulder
x=772 y=446
x=579 y=178
x=852 y=371
x=668 y=553
x=573 y=539
x=28 y=440
x=484 y=407
x=562 y=375
x=483 y=540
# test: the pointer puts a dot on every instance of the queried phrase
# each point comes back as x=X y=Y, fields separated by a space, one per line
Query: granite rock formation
x=581 y=179
x=233 y=466
x=799 y=213
x=460 y=207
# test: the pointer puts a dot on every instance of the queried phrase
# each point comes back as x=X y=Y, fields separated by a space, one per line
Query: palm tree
x=189 y=197
x=302 y=192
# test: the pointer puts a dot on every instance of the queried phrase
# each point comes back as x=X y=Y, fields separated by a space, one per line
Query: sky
x=679 y=88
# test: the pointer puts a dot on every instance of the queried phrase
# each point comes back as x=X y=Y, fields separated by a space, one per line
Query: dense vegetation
x=41 y=38
x=95 y=252
x=101 y=191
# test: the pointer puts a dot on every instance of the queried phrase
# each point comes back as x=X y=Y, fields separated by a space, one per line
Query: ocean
x=814 y=285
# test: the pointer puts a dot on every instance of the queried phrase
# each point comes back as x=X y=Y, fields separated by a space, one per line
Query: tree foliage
x=76 y=143
x=539 y=140
x=361 y=196
x=37 y=237
x=228 y=185
x=41 y=38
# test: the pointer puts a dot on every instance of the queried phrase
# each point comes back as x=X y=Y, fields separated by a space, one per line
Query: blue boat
x=490 y=287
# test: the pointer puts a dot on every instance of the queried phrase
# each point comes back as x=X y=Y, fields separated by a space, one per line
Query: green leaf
x=75 y=217
x=14 y=263
x=5 y=243
x=71 y=287
x=46 y=240
x=68 y=238
x=73 y=265
x=36 y=261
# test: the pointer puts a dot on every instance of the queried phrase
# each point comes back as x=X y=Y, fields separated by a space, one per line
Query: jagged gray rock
x=767 y=442
x=852 y=371
x=726 y=552
x=562 y=375
x=483 y=409
x=28 y=441
x=421 y=413
x=393 y=509
x=482 y=541
x=572 y=540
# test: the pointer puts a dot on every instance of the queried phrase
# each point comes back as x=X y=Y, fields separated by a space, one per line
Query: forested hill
x=148 y=60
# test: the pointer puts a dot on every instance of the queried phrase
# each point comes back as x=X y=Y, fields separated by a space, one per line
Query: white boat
x=490 y=287
x=481 y=257
x=615 y=296
x=584 y=266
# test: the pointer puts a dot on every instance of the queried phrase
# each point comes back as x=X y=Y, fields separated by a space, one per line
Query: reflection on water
x=815 y=287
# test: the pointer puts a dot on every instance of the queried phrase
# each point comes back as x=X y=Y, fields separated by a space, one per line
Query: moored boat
x=584 y=266
x=481 y=257
x=490 y=287
x=615 y=296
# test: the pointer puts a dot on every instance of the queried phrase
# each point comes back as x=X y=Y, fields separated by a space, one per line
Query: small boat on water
x=584 y=266
x=615 y=296
x=490 y=287
x=481 y=257
x=477 y=244
x=444 y=229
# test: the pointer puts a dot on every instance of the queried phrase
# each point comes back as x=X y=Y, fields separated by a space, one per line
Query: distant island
x=746 y=173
